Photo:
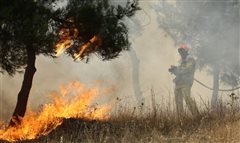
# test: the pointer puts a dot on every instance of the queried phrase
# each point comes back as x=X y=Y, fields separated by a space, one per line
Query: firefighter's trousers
x=185 y=93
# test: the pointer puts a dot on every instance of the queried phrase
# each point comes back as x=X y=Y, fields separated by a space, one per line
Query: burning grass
x=152 y=125
x=62 y=106
x=126 y=127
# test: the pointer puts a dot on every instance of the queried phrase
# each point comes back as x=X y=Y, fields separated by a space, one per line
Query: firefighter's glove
x=172 y=69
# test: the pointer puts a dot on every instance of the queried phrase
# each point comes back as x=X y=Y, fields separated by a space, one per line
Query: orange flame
x=84 y=47
x=51 y=116
x=68 y=38
x=65 y=40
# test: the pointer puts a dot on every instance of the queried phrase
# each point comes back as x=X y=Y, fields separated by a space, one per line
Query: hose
x=218 y=89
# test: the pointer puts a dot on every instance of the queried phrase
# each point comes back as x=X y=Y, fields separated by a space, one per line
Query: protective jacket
x=183 y=82
x=185 y=73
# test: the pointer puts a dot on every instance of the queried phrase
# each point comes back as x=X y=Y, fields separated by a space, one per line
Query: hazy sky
x=154 y=48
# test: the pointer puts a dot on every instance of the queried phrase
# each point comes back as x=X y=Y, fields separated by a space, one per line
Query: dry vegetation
x=161 y=125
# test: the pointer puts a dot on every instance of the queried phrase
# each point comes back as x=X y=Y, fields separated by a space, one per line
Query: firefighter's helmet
x=183 y=47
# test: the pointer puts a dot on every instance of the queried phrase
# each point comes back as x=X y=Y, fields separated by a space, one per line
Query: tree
x=135 y=77
x=135 y=30
x=211 y=28
x=29 y=28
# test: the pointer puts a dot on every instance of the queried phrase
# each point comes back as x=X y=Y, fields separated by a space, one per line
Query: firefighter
x=183 y=82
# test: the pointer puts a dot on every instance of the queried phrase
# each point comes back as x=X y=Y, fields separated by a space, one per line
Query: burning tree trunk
x=22 y=99
x=135 y=77
x=216 y=71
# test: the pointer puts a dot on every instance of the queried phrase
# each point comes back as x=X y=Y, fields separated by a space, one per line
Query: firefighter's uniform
x=183 y=82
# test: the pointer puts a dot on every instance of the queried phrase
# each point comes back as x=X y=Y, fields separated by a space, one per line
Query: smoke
x=211 y=28
x=155 y=49
x=155 y=52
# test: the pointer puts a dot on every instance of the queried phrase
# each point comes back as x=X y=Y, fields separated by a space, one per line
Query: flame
x=65 y=40
x=84 y=47
x=51 y=116
x=68 y=38
x=61 y=47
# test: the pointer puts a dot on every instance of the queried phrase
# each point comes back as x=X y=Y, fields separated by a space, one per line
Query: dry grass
x=157 y=126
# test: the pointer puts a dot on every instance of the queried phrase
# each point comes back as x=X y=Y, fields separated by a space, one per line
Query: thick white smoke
x=154 y=48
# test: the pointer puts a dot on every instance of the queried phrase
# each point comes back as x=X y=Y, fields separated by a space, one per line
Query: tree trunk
x=22 y=99
x=215 y=86
x=135 y=77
